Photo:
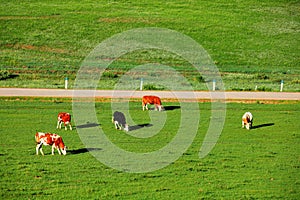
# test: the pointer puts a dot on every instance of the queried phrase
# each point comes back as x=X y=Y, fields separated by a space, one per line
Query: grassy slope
x=250 y=41
x=262 y=163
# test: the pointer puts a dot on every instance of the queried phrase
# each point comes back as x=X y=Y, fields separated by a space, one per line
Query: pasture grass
x=262 y=163
x=43 y=42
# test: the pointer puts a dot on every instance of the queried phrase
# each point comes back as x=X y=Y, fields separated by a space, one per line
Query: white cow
x=247 y=120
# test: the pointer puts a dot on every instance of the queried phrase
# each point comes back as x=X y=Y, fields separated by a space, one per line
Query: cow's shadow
x=83 y=150
x=262 y=125
x=88 y=125
x=139 y=126
x=166 y=108
x=171 y=107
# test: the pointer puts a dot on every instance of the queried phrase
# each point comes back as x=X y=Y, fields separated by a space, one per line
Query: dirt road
x=138 y=94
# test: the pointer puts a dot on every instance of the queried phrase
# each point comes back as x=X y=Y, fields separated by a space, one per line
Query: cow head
x=126 y=128
x=248 y=122
x=161 y=108
x=64 y=150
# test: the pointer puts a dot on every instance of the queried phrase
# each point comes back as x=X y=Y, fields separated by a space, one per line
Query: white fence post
x=281 y=86
x=214 y=85
x=141 y=84
x=66 y=83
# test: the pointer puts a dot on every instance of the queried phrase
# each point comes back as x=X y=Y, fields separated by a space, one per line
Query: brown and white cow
x=247 y=120
x=154 y=100
x=65 y=118
x=50 y=139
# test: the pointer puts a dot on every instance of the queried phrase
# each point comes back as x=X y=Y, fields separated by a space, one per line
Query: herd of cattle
x=118 y=118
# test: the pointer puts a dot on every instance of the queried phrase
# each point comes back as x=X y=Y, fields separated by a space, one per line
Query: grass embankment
x=252 y=43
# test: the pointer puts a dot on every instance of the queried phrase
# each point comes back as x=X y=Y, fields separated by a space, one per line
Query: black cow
x=119 y=120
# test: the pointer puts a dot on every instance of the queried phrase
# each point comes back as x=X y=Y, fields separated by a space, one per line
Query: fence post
x=141 y=84
x=66 y=83
x=281 y=86
x=214 y=85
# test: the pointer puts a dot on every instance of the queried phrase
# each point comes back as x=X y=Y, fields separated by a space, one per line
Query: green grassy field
x=253 y=43
x=262 y=163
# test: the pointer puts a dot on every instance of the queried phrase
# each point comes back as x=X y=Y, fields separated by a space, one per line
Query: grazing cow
x=119 y=120
x=247 y=120
x=64 y=118
x=152 y=100
x=50 y=139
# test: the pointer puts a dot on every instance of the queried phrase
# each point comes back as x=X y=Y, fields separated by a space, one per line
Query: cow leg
x=247 y=126
x=60 y=123
x=52 y=152
x=250 y=125
x=126 y=128
x=41 y=150
x=39 y=147
x=53 y=149
x=145 y=106
x=243 y=125
x=116 y=124
x=119 y=126
x=66 y=125
x=58 y=151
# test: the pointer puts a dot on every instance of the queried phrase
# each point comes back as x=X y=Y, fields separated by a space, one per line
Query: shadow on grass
x=171 y=107
x=83 y=150
x=263 y=125
x=88 y=125
x=9 y=76
x=139 y=126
